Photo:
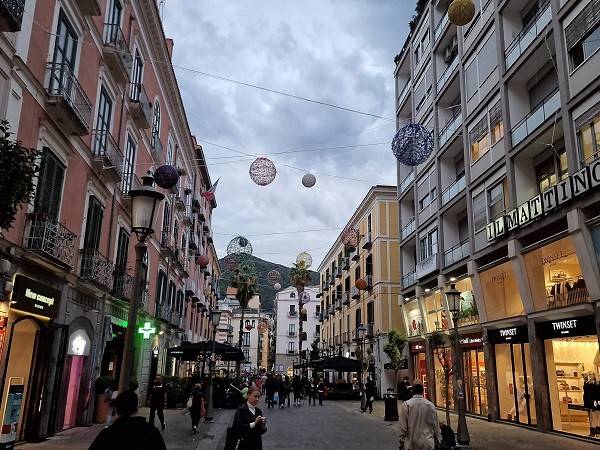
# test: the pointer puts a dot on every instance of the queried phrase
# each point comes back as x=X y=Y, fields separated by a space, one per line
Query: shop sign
x=471 y=340
x=417 y=347
x=577 y=326
x=508 y=335
x=12 y=411
x=79 y=343
x=578 y=184
x=34 y=297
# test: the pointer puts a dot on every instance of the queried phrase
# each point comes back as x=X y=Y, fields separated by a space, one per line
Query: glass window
x=414 y=319
x=585 y=47
x=155 y=139
x=479 y=212
x=479 y=139
x=500 y=292
x=440 y=381
x=469 y=315
x=545 y=174
x=586 y=141
x=471 y=79
x=487 y=59
x=292 y=328
x=435 y=311
x=496 y=201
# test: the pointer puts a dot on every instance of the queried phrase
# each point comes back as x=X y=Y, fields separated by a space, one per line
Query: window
x=144 y=283
x=317 y=309
x=122 y=250
x=583 y=34
x=291 y=329
x=370 y=312
x=496 y=201
x=357 y=318
x=155 y=140
x=172 y=294
x=170 y=151
x=478 y=70
x=291 y=348
x=482 y=213
x=292 y=309
x=246 y=355
x=136 y=75
x=369 y=223
x=176 y=231
x=486 y=133
x=292 y=295
x=246 y=339
x=589 y=140
x=128 y=165
x=93 y=226
x=49 y=188
x=166 y=222
x=428 y=245
x=427 y=199
x=161 y=288
x=102 y=123
x=65 y=49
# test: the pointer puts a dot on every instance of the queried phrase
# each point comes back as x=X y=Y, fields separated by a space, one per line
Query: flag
x=210 y=194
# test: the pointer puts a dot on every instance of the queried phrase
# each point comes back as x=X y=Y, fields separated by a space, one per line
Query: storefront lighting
x=427 y=290
x=453 y=279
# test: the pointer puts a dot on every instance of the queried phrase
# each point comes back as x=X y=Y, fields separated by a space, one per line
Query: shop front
x=475 y=381
x=572 y=363
x=514 y=379
x=419 y=363
x=77 y=395
x=28 y=341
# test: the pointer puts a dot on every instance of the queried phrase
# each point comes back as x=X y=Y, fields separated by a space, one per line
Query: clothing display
x=562 y=290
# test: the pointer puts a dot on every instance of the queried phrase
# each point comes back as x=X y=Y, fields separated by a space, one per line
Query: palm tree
x=300 y=277
x=245 y=283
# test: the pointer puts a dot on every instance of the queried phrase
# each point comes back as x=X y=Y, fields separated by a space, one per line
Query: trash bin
x=391 y=407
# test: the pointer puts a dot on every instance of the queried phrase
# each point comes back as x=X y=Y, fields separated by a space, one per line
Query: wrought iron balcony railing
x=97 y=268
x=11 y=15
x=107 y=153
x=116 y=51
x=51 y=239
x=123 y=285
x=140 y=107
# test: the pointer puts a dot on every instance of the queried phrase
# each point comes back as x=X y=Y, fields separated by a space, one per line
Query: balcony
x=292 y=313
x=457 y=253
x=355 y=255
x=449 y=129
x=226 y=327
x=404 y=93
x=108 y=158
x=367 y=242
x=89 y=7
x=123 y=285
x=317 y=313
x=454 y=189
x=163 y=312
x=527 y=35
x=345 y=263
x=316 y=334
x=11 y=15
x=346 y=298
x=66 y=100
x=369 y=333
x=140 y=107
x=116 y=52
x=191 y=287
x=195 y=204
x=96 y=268
x=408 y=229
x=331 y=280
x=427 y=266
x=291 y=352
x=167 y=248
x=209 y=238
x=409 y=279
x=346 y=338
x=201 y=216
x=534 y=119
x=441 y=82
x=179 y=201
x=407 y=182
x=440 y=27
x=50 y=239
x=354 y=293
x=331 y=310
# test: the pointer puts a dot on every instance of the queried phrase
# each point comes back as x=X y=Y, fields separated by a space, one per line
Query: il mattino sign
x=563 y=192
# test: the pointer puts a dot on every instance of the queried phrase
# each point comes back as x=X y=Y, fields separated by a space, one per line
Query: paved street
x=332 y=426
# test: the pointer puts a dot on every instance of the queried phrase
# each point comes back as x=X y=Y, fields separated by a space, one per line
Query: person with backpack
x=419 y=427
x=157 y=401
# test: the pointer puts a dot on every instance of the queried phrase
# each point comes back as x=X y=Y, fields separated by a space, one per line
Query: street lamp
x=215 y=318
x=453 y=297
x=361 y=330
x=144 y=205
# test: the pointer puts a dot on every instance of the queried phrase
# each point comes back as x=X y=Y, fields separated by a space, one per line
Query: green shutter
x=122 y=250
x=49 y=189
x=93 y=227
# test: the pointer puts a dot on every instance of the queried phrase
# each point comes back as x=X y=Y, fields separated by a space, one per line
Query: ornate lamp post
x=361 y=330
x=453 y=297
x=215 y=318
x=144 y=205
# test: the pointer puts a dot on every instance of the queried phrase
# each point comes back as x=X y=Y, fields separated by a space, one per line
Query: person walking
x=297 y=388
x=312 y=392
x=419 y=427
x=128 y=431
x=404 y=390
x=157 y=401
x=370 y=392
x=287 y=388
x=197 y=406
x=249 y=423
x=321 y=391
x=269 y=387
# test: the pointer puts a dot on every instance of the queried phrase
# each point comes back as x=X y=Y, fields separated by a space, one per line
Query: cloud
x=335 y=51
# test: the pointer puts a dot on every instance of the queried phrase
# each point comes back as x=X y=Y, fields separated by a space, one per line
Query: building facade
x=506 y=206
x=287 y=325
x=89 y=84
x=344 y=307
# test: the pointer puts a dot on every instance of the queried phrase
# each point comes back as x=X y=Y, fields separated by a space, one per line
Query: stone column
x=542 y=405
x=430 y=363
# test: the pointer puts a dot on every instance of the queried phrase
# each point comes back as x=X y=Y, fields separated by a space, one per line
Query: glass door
x=475 y=381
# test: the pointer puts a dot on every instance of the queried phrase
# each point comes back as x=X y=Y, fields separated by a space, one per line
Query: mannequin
x=522 y=401
x=591 y=400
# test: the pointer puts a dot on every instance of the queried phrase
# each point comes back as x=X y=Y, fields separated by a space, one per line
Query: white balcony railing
x=527 y=35
x=447 y=73
x=408 y=229
x=534 y=119
x=409 y=279
x=410 y=178
x=457 y=253
x=454 y=189
x=449 y=129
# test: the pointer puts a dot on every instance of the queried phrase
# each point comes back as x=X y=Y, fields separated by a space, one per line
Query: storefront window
x=440 y=380
x=475 y=381
x=468 y=308
x=555 y=276
x=435 y=311
x=414 y=319
x=500 y=293
x=420 y=369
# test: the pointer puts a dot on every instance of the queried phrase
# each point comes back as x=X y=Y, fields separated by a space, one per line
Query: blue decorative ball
x=412 y=144
x=166 y=177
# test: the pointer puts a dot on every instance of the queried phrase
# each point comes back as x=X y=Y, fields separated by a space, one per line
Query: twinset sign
x=576 y=326
x=508 y=335
x=552 y=198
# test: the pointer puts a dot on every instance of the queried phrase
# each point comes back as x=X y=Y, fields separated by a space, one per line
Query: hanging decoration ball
x=239 y=244
x=412 y=144
x=274 y=276
x=277 y=286
x=304 y=258
x=461 y=12
x=202 y=261
x=309 y=180
x=166 y=177
x=262 y=171
x=262 y=327
x=361 y=284
x=350 y=237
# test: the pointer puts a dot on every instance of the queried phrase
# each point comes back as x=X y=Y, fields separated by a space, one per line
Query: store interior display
x=476 y=394
x=500 y=292
x=437 y=316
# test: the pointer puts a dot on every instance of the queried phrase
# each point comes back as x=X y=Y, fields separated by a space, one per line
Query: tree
x=245 y=283
x=17 y=171
x=441 y=344
x=394 y=349
x=300 y=277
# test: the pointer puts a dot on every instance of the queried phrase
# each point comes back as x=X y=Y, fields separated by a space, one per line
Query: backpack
x=448 y=439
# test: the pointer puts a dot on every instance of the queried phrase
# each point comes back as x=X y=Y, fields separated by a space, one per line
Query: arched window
x=292 y=295
x=155 y=125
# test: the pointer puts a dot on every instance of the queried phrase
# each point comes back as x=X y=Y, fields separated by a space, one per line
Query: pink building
x=90 y=85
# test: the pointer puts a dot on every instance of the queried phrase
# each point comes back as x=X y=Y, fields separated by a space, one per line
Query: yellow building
x=376 y=260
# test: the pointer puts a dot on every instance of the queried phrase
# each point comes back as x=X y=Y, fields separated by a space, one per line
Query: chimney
x=170 y=44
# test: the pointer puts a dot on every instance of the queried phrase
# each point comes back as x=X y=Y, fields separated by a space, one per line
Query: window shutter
x=93 y=227
x=495 y=114
x=122 y=250
x=50 y=182
x=479 y=130
x=582 y=24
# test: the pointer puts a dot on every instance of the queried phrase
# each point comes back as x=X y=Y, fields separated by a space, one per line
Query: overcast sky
x=336 y=51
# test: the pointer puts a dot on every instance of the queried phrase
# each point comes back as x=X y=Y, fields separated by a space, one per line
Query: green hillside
x=267 y=293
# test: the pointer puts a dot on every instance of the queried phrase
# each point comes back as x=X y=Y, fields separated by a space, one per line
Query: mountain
x=267 y=292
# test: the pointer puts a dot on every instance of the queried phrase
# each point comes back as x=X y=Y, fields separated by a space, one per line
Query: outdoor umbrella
x=338 y=363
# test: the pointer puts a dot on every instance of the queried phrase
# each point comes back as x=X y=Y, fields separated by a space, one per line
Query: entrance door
x=72 y=403
x=420 y=368
x=515 y=383
x=475 y=381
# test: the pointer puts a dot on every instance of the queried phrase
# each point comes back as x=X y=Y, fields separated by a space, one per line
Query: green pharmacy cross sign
x=147 y=330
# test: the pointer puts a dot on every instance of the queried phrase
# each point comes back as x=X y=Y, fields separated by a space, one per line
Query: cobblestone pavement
x=336 y=425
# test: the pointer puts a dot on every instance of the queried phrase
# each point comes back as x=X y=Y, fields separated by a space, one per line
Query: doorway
x=76 y=364
x=475 y=381
x=515 y=383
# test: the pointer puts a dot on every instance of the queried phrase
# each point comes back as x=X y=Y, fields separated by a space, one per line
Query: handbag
x=232 y=440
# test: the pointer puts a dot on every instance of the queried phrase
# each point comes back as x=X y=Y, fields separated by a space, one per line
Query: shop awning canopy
x=339 y=363
x=302 y=365
x=188 y=351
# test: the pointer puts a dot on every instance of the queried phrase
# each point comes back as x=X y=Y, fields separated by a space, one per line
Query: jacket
x=127 y=433
x=419 y=427
x=250 y=438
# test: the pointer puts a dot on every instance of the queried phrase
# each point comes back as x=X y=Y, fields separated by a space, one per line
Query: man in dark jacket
x=370 y=391
x=157 y=401
x=128 y=432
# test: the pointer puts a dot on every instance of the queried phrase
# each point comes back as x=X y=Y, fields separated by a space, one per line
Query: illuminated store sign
x=509 y=335
x=34 y=297
x=577 y=326
x=79 y=343
x=555 y=196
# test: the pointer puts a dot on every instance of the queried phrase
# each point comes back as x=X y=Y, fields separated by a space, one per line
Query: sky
x=335 y=51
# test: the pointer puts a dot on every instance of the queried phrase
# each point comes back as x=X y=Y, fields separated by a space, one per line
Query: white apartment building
x=287 y=325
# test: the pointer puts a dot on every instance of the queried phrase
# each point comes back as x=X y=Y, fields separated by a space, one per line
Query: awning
x=190 y=352
x=339 y=363
x=302 y=365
